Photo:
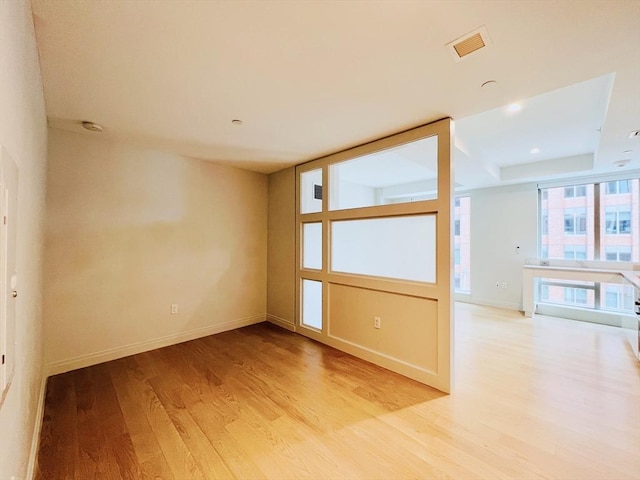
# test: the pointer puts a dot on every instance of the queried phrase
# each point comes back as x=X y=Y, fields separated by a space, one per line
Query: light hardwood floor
x=535 y=399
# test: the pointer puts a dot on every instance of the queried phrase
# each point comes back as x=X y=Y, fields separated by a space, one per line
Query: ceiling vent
x=470 y=43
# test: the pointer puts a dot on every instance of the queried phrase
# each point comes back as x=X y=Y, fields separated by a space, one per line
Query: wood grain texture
x=535 y=399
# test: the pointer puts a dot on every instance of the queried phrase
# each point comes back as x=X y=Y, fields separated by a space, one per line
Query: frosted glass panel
x=406 y=173
x=312 y=245
x=311 y=191
x=396 y=247
x=312 y=303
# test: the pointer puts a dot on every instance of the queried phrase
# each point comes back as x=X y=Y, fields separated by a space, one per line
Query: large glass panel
x=312 y=245
x=619 y=213
x=394 y=247
x=311 y=191
x=570 y=293
x=312 y=304
x=462 y=244
x=566 y=222
x=406 y=173
x=617 y=298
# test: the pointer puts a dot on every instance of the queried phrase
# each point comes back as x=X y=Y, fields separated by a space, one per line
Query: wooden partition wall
x=405 y=325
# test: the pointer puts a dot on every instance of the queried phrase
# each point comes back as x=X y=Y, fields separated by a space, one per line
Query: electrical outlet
x=174 y=308
x=376 y=322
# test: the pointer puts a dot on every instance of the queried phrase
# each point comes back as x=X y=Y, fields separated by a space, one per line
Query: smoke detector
x=469 y=44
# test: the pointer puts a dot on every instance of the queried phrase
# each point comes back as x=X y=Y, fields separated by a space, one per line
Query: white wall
x=281 y=280
x=23 y=133
x=502 y=219
x=129 y=232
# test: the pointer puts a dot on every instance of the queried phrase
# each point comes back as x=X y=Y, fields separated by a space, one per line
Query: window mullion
x=596 y=221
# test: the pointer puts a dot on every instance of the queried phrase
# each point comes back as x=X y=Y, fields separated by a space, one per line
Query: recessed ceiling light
x=627 y=151
x=534 y=151
x=236 y=122
x=634 y=134
x=92 y=127
x=621 y=163
x=514 y=107
x=488 y=84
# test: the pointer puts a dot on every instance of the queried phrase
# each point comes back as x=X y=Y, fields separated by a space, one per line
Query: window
x=575 y=252
x=544 y=292
x=618 y=253
x=462 y=245
x=618 y=187
x=575 y=191
x=456 y=202
x=568 y=215
x=575 y=221
x=577 y=296
x=617 y=297
x=544 y=252
x=618 y=220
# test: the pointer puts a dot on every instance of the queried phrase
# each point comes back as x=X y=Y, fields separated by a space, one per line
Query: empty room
x=279 y=239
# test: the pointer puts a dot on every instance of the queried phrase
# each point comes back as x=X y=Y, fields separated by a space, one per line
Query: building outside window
x=462 y=244
x=567 y=230
x=575 y=252
x=618 y=187
x=575 y=221
x=575 y=191
x=618 y=253
x=618 y=220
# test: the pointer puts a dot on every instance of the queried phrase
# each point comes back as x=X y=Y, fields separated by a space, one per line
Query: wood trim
x=441 y=290
x=37 y=429
x=281 y=322
x=95 y=358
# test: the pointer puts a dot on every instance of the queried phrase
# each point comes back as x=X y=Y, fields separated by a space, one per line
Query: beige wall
x=281 y=246
x=131 y=231
x=23 y=133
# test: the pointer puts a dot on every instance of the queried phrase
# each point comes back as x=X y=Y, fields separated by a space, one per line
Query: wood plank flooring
x=535 y=399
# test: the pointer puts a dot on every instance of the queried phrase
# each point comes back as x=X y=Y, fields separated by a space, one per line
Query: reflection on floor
x=535 y=398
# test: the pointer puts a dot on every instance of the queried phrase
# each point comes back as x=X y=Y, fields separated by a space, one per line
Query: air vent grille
x=470 y=43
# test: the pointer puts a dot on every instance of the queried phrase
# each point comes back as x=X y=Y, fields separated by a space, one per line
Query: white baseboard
x=37 y=428
x=491 y=303
x=87 y=360
x=281 y=322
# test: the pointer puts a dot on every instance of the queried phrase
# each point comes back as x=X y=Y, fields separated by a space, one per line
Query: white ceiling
x=315 y=77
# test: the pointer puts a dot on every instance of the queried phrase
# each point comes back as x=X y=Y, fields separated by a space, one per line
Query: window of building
x=575 y=221
x=564 y=221
x=618 y=187
x=617 y=297
x=618 y=253
x=575 y=252
x=577 y=296
x=462 y=244
x=575 y=191
x=545 y=223
x=618 y=220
